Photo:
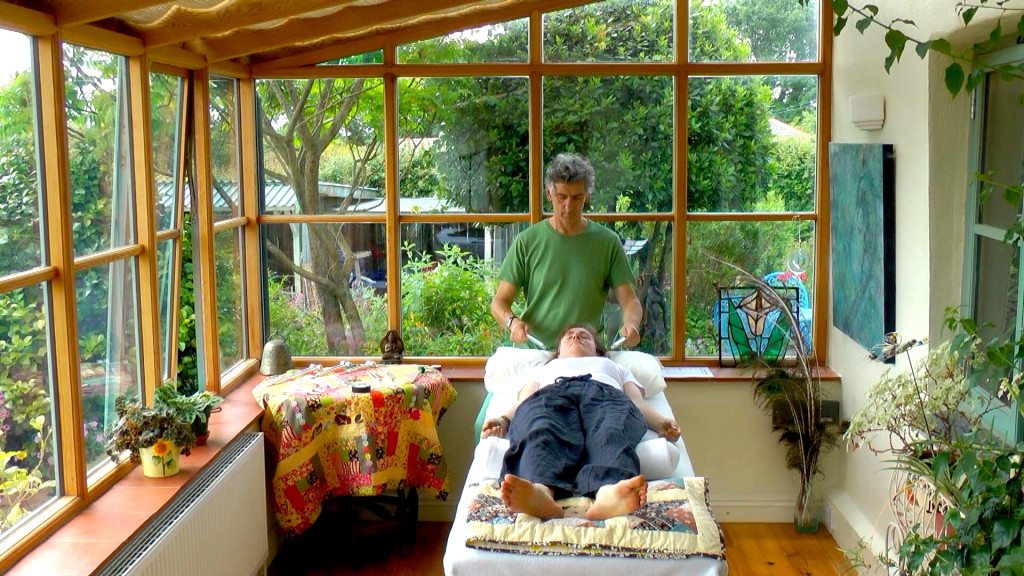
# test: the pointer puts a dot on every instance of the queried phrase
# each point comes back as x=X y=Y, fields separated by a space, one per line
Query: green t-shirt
x=565 y=279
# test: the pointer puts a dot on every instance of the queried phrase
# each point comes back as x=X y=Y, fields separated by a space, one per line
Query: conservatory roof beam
x=71 y=12
x=181 y=24
x=348 y=20
x=430 y=26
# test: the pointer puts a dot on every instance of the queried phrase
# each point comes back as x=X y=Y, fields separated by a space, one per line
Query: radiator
x=217 y=525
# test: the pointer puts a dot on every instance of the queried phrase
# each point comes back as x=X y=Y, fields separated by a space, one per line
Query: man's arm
x=632 y=313
x=501 y=311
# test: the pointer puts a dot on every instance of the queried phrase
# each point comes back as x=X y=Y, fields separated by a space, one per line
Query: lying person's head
x=580 y=340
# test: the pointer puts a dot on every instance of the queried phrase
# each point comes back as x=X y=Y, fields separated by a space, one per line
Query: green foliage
x=187 y=371
x=141 y=426
x=792 y=173
x=23 y=366
x=934 y=427
x=896 y=40
x=21 y=487
x=293 y=321
x=19 y=203
x=188 y=407
x=447 y=304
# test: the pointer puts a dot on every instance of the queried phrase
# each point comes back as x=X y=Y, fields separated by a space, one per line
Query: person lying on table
x=574 y=430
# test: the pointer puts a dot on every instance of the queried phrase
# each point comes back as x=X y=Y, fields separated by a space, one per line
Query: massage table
x=659 y=459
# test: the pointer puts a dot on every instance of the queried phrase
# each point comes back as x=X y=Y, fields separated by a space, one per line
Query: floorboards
x=336 y=546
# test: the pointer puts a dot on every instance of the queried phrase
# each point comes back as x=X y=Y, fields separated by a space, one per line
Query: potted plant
x=193 y=409
x=963 y=485
x=153 y=436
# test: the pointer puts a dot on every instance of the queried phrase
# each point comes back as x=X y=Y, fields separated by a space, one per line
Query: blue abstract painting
x=862 y=186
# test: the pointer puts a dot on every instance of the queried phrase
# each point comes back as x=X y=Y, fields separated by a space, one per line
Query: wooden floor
x=333 y=549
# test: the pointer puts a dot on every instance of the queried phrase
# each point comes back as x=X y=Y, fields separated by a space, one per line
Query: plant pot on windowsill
x=193 y=409
x=153 y=436
x=161 y=459
x=201 y=426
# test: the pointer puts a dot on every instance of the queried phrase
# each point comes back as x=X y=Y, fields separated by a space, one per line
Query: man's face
x=568 y=199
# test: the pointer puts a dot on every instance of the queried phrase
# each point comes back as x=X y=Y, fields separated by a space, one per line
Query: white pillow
x=507 y=365
x=645 y=367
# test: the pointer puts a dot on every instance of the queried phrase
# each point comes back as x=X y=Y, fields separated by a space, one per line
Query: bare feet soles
x=534 y=499
x=624 y=497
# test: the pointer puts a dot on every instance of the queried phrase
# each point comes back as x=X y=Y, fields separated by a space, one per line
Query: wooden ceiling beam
x=351 y=19
x=181 y=24
x=425 y=28
x=25 y=20
x=72 y=12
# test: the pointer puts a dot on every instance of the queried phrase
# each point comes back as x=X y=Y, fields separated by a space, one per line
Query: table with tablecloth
x=327 y=440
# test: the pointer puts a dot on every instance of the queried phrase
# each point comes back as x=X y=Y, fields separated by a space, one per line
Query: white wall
x=929 y=131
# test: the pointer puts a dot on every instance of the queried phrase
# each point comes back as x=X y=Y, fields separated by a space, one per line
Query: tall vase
x=160 y=459
x=807 y=517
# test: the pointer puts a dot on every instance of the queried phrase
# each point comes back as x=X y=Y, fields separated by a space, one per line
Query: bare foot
x=521 y=495
x=623 y=497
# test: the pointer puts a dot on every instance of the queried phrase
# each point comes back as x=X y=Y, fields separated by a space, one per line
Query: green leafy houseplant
x=139 y=427
x=193 y=409
x=932 y=424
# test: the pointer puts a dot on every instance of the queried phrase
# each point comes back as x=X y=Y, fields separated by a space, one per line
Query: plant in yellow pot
x=153 y=436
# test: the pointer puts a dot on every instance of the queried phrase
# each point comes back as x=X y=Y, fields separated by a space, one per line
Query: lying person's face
x=577 y=342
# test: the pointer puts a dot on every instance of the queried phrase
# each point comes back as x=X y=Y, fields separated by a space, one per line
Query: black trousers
x=575 y=436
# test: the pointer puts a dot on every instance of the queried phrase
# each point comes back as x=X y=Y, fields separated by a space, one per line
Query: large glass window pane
x=108 y=346
x=99 y=149
x=322 y=145
x=648 y=247
x=165 y=277
x=1003 y=151
x=614 y=30
x=743 y=157
x=996 y=287
x=753 y=31
x=719 y=253
x=224 y=120
x=327 y=287
x=20 y=226
x=27 y=418
x=623 y=125
x=230 y=297
x=503 y=42
x=464 y=144
x=449 y=272
x=165 y=113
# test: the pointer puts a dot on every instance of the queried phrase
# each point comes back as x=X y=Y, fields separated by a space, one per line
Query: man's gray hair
x=567 y=168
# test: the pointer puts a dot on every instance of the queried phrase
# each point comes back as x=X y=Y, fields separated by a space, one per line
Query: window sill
x=98 y=531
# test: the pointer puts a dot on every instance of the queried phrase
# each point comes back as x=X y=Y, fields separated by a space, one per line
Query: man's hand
x=632 y=314
x=519 y=331
x=632 y=335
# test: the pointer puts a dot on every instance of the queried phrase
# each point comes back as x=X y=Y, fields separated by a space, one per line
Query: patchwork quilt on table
x=676 y=522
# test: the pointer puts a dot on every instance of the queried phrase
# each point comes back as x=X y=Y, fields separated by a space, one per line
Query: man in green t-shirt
x=565 y=265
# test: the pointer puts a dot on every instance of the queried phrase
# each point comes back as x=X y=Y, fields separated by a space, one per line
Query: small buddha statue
x=391 y=348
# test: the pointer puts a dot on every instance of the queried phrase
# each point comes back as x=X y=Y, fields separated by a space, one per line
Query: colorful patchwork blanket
x=676 y=522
